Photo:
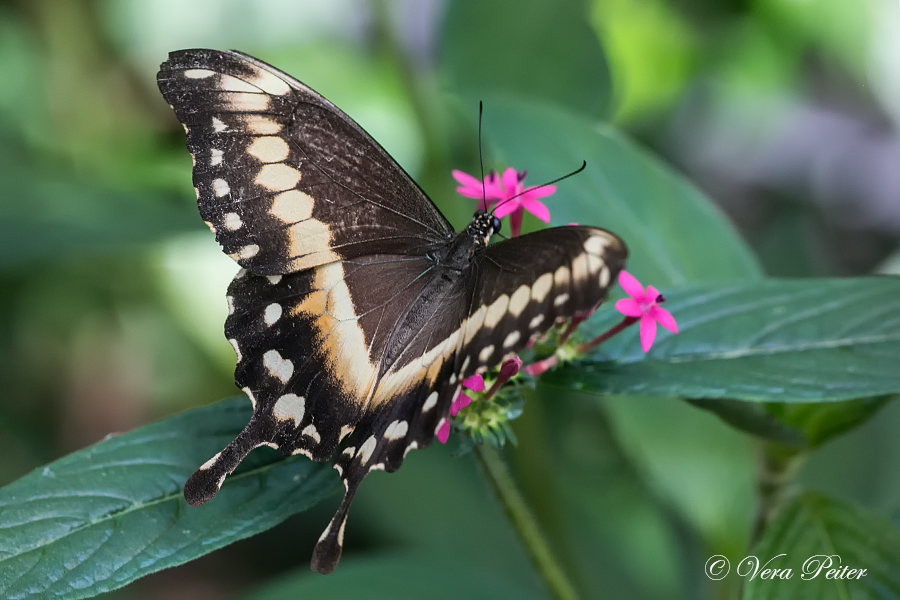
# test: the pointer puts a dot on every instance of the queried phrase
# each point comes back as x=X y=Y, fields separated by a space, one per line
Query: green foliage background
x=112 y=302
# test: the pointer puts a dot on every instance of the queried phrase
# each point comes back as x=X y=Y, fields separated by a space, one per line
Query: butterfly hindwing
x=284 y=178
x=520 y=287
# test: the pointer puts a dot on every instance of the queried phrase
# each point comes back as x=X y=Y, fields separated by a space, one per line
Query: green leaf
x=674 y=233
x=752 y=418
x=821 y=422
x=393 y=576
x=817 y=526
x=774 y=341
x=531 y=48
x=102 y=517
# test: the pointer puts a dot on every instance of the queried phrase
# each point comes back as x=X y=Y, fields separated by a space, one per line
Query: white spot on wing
x=486 y=353
x=396 y=430
x=278 y=367
x=536 y=321
x=277 y=177
x=230 y=300
x=366 y=450
x=541 y=287
x=292 y=206
x=412 y=446
x=272 y=313
x=215 y=157
x=269 y=83
x=496 y=311
x=290 y=406
x=560 y=300
x=604 y=276
x=595 y=244
x=511 y=339
x=273 y=279
x=519 y=300
x=232 y=220
x=210 y=462
x=248 y=251
x=198 y=73
x=218 y=125
x=269 y=149
x=261 y=125
x=310 y=430
x=349 y=451
x=430 y=401
x=220 y=187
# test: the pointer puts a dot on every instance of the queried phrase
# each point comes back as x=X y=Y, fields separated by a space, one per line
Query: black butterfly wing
x=522 y=286
x=310 y=348
x=284 y=178
x=516 y=290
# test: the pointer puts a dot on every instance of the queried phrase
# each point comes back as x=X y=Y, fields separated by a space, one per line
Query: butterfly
x=359 y=310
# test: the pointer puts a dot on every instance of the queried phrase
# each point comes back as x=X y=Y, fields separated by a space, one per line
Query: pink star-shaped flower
x=509 y=194
x=462 y=400
x=644 y=305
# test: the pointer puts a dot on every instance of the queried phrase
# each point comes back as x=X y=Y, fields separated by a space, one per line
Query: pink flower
x=462 y=400
x=509 y=194
x=443 y=432
x=644 y=305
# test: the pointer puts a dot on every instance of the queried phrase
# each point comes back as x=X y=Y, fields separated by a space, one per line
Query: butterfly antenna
x=481 y=156
x=557 y=180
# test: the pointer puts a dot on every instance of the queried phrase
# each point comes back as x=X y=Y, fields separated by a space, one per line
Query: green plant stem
x=778 y=467
x=524 y=523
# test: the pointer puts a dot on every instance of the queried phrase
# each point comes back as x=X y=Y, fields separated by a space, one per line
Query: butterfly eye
x=496 y=225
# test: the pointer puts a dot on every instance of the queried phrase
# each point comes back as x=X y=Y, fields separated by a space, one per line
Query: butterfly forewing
x=284 y=178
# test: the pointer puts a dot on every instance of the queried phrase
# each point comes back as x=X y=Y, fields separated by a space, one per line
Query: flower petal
x=443 y=432
x=460 y=402
x=474 y=383
x=652 y=293
x=507 y=208
x=665 y=318
x=466 y=180
x=631 y=285
x=628 y=307
x=510 y=182
x=469 y=192
x=648 y=332
x=537 y=208
x=515 y=223
x=541 y=191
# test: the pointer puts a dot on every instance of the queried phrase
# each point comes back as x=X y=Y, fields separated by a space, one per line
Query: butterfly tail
x=207 y=480
x=328 y=550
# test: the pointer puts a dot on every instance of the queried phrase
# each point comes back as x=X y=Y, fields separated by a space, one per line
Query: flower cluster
x=486 y=416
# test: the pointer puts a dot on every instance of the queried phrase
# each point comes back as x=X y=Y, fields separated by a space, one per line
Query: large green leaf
x=774 y=340
x=674 y=233
x=813 y=528
x=104 y=516
x=529 y=48
x=394 y=576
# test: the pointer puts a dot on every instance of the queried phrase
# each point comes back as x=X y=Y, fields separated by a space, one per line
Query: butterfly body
x=359 y=310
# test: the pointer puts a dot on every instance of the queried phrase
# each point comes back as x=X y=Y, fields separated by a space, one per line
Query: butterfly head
x=483 y=226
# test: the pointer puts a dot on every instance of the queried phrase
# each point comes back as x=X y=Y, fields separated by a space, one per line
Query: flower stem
x=626 y=322
x=524 y=523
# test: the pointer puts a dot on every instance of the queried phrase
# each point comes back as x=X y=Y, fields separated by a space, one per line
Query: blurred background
x=785 y=112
